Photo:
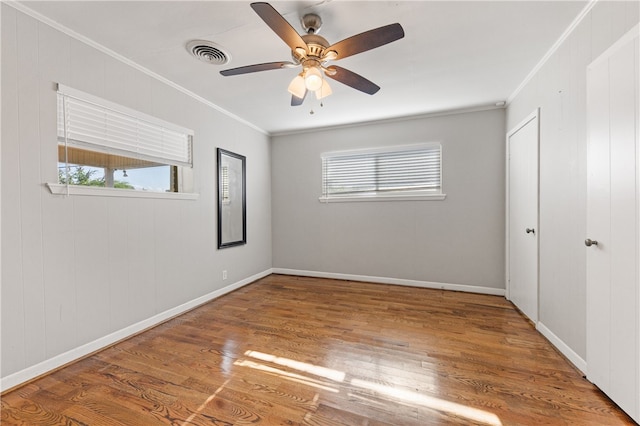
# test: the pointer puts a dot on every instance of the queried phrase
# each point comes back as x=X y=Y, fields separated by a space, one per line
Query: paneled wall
x=458 y=241
x=76 y=269
x=559 y=89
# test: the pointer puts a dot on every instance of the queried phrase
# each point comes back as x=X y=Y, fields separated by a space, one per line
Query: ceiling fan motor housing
x=316 y=46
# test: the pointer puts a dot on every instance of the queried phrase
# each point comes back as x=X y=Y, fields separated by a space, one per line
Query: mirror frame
x=222 y=155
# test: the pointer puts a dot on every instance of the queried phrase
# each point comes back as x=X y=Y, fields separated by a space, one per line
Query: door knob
x=589 y=242
x=530 y=230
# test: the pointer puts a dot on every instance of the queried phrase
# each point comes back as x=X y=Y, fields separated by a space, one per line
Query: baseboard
x=395 y=281
x=564 y=349
x=58 y=361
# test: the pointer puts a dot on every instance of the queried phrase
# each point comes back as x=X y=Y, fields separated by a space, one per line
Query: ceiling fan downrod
x=311 y=23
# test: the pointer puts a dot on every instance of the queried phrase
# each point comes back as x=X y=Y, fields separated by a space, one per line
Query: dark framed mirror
x=232 y=209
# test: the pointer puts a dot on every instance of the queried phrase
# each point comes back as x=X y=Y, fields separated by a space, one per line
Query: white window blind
x=88 y=122
x=398 y=170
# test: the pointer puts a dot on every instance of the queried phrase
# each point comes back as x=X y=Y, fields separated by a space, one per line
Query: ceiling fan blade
x=352 y=79
x=367 y=40
x=279 y=25
x=257 y=67
x=296 y=101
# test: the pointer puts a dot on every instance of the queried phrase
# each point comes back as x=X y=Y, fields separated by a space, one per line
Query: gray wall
x=76 y=269
x=559 y=89
x=459 y=240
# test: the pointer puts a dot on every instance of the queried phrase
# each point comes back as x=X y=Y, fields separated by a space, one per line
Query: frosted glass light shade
x=297 y=87
x=313 y=79
x=324 y=90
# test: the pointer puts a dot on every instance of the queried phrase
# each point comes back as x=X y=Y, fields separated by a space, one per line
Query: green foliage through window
x=78 y=175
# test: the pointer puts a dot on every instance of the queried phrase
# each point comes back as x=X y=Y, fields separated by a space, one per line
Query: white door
x=522 y=216
x=613 y=296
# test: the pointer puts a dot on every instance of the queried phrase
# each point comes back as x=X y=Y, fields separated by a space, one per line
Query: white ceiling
x=454 y=55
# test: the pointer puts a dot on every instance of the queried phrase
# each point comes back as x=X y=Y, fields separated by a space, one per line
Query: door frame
x=535 y=115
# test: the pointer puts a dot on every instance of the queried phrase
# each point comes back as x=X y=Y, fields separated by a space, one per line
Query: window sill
x=348 y=199
x=59 y=189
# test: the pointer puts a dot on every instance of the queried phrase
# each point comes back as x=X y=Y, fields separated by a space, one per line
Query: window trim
x=62 y=189
x=419 y=195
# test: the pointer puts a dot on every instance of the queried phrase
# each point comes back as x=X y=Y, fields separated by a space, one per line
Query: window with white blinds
x=90 y=123
x=388 y=172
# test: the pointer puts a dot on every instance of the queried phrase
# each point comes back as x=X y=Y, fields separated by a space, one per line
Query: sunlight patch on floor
x=403 y=396
x=287 y=375
x=327 y=373
x=438 y=404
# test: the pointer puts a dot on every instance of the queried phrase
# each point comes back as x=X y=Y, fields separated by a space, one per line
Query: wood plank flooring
x=306 y=351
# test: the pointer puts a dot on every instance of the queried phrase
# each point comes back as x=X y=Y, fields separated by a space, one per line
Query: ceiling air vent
x=208 y=52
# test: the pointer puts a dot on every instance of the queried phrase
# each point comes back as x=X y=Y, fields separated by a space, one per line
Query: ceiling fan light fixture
x=297 y=87
x=324 y=90
x=313 y=78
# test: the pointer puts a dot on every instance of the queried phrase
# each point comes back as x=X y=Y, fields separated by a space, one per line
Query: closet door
x=522 y=216
x=613 y=295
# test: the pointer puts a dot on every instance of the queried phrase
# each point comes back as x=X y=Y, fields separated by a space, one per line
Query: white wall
x=79 y=268
x=559 y=89
x=456 y=241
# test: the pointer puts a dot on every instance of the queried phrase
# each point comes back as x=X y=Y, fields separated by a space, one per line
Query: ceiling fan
x=312 y=52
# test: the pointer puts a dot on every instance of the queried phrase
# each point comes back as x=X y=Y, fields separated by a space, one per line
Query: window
x=102 y=144
x=409 y=172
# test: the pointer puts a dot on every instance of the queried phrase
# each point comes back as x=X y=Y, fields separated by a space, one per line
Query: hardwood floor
x=292 y=350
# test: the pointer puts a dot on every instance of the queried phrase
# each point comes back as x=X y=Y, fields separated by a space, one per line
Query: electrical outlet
x=224 y=275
